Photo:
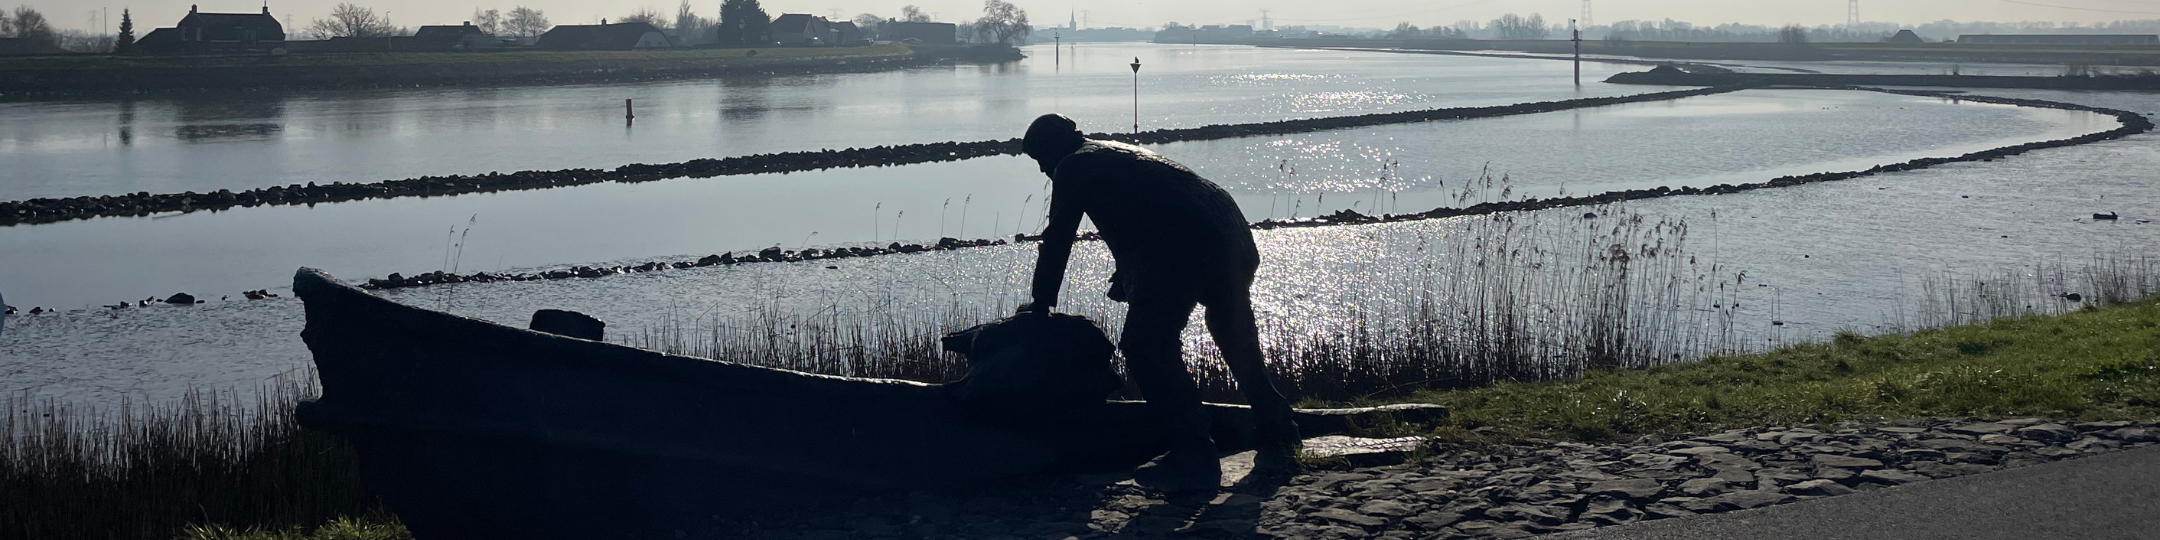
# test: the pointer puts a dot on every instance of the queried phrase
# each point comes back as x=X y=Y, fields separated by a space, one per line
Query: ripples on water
x=205 y=143
x=1820 y=258
x=1747 y=137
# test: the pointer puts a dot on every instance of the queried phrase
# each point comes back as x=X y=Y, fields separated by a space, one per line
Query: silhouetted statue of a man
x=1179 y=241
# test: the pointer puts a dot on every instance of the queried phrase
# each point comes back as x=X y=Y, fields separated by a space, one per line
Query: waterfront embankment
x=58 y=77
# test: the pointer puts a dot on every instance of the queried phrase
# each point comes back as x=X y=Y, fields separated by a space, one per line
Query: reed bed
x=149 y=471
x=2048 y=288
x=1503 y=297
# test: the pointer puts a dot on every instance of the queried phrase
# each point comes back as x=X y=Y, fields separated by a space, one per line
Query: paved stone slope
x=1503 y=491
x=1519 y=491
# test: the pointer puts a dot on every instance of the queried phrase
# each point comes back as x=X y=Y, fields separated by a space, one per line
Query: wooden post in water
x=1578 y=52
x=629 y=112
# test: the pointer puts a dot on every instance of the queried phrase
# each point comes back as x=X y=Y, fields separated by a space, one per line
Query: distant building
x=463 y=37
x=604 y=37
x=846 y=33
x=200 y=32
x=930 y=33
x=802 y=29
x=1905 y=36
x=2060 y=39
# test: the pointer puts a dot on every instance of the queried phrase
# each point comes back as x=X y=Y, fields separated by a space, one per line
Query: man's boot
x=1276 y=440
x=1192 y=463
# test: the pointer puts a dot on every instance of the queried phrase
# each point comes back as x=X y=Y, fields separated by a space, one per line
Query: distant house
x=1905 y=36
x=931 y=33
x=846 y=33
x=2060 y=39
x=463 y=37
x=604 y=37
x=802 y=29
x=200 y=32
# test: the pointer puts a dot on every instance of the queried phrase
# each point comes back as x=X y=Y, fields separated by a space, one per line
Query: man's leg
x=1154 y=356
x=1231 y=322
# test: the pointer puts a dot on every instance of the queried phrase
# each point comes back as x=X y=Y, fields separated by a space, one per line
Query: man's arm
x=1057 y=242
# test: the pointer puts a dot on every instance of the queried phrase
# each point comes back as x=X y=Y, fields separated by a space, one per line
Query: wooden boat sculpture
x=471 y=429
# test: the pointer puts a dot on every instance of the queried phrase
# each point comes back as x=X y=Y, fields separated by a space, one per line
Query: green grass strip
x=2094 y=364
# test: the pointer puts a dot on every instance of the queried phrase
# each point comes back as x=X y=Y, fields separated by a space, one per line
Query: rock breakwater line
x=1486 y=491
x=2132 y=124
x=49 y=210
x=769 y=255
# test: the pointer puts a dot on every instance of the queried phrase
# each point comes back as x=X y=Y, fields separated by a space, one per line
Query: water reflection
x=1829 y=256
x=1399 y=169
x=266 y=139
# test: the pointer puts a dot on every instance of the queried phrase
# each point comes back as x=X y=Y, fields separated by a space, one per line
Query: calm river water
x=1828 y=256
x=202 y=144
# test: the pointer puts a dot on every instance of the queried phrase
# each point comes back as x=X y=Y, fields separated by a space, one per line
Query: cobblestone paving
x=1494 y=491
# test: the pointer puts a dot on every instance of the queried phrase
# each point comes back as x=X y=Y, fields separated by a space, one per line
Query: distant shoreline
x=2122 y=55
x=73 y=77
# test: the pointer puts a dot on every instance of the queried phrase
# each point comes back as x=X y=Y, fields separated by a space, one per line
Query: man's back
x=1154 y=214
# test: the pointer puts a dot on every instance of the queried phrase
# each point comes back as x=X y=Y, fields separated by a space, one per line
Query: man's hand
x=1033 y=309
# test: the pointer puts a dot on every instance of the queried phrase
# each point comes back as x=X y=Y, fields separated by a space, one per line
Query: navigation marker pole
x=1136 y=95
x=628 y=113
x=1578 y=52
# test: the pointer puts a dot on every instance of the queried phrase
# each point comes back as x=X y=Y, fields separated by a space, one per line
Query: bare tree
x=868 y=22
x=1512 y=26
x=689 y=27
x=30 y=24
x=489 y=21
x=7 y=23
x=1793 y=35
x=913 y=14
x=1002 y=23
x=525 y=22
x=642 y=15
x=347 y=20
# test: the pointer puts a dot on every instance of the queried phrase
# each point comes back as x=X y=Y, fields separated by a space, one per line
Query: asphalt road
x=2109 y=496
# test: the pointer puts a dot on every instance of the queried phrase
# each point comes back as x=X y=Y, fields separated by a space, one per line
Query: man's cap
x=1051 y=135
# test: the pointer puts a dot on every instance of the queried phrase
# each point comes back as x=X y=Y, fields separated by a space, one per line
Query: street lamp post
x=1136 y=95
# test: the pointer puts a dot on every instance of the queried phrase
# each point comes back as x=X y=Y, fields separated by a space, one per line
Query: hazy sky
x=1371 y=13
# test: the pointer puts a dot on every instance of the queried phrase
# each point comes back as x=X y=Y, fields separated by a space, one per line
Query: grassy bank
x=2094 y=364
x=71 y=75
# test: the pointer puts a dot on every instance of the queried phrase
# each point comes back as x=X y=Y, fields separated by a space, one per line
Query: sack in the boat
x=1033 y=364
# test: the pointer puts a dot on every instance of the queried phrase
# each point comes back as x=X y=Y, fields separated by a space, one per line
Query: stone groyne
x=2132 y=124
x=1667 y=76
x=49 y=210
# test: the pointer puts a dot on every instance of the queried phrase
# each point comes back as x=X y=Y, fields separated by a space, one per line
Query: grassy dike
x=61 y=76
x=2094 y=364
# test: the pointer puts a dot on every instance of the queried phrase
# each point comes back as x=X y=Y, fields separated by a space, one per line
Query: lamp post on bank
x=1136 y=95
